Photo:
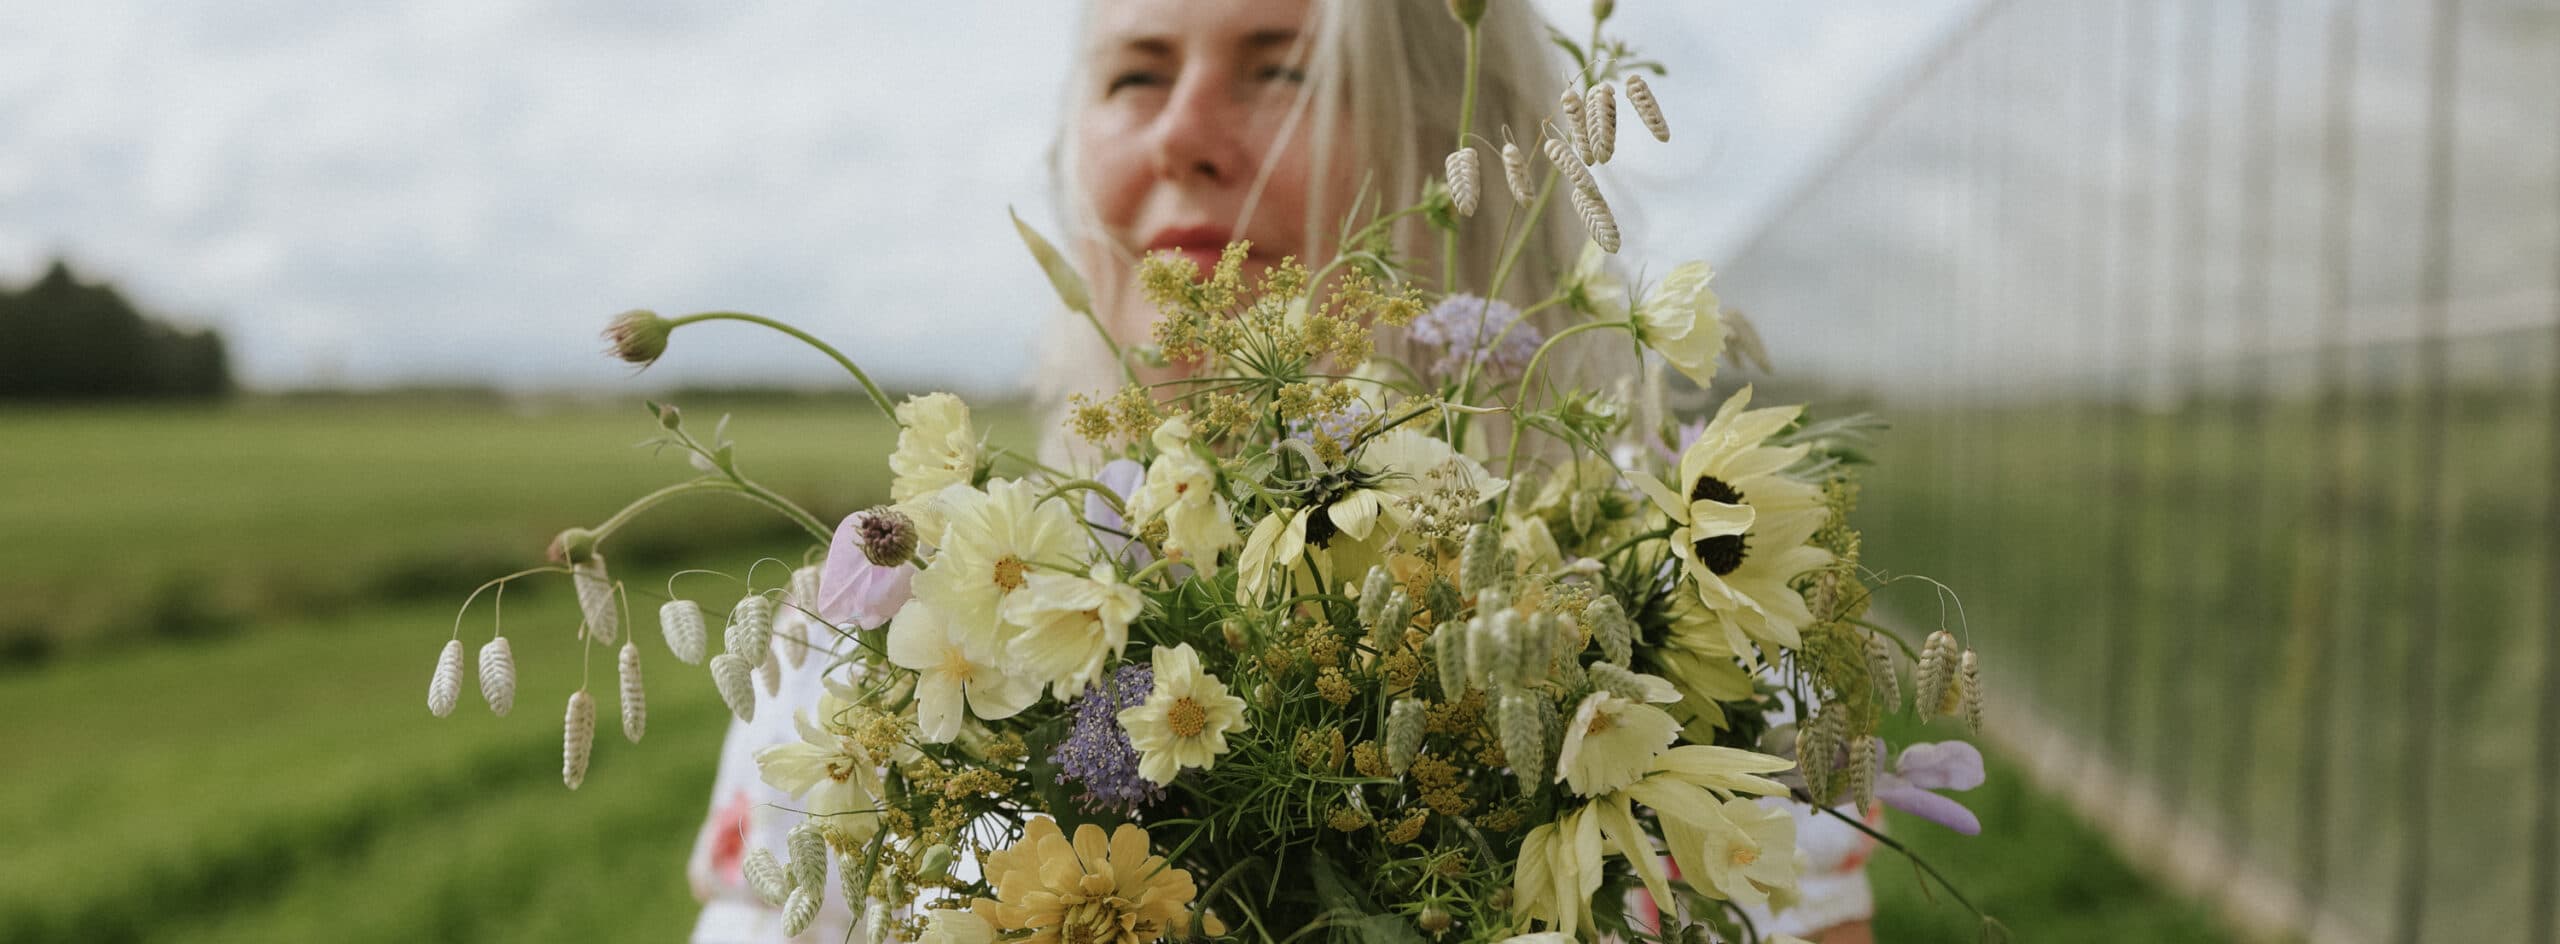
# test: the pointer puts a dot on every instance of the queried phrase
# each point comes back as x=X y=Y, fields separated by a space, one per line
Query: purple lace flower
x=1098 y=754
x=1942 y=765
x=1467 y=328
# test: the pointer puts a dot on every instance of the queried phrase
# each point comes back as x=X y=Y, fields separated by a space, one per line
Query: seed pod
x=681 y=622
x=1570 y=166
x=1596 y=218
x=769 y=677
x=1462 y=180
x=1571 y=106
x=750 y=632
x=1373 y=594
x=1515 y=172
x=1582 y=511
x=1480 y=563
x=635 y=703
x=1862 y=771
x=1618 y=680
x=1434 y=920
x=498 y=676
x=1387 y=634
x=799 y=911
x=1934 y=678
x=595 y=599
x=444 y=688
x=1612 y=629
x=1539 y=643
x=1443 y=599
x=1640 y=97
x=577 y=735
x=936 y=863
x=808 y=845
x=1493 y=649
x=1524 y=740
x=1404 y=734
x=766 y=877
x=1888 y=684
x=1817 y=750
x=804 y=601
x=1449 y=655
x=1972 y=681
x=736 y=681
x=1600 y=123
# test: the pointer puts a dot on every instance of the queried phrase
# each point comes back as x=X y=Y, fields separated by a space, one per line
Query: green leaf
x=1062 y=277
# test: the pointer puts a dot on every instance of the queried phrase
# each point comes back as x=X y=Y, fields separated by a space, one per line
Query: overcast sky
x=466 y=190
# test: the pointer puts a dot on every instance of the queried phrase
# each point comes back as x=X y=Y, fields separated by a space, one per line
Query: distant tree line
x=64 y=339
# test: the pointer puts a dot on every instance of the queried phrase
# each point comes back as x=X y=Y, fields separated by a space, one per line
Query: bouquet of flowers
x=1431 y=648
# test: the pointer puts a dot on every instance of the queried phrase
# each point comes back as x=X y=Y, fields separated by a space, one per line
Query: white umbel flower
x=1600 y=123
x=444 y=688
x=1515 y=172
x=736 y=680
x=498 y=676
x=577 y=736
x=635 y=702
x=1461 y=166
x=1640 y=96
x=681 y=622
x=595 y=599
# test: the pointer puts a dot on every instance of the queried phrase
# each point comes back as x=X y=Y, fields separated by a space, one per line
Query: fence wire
x=2220 y=340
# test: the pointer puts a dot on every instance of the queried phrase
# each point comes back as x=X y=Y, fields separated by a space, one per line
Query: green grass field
x=281 y=780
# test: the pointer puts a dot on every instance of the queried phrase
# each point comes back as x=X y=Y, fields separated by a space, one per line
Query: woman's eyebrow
x=1259 y=40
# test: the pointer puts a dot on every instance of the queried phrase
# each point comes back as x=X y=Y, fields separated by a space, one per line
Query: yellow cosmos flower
x=1095 y=890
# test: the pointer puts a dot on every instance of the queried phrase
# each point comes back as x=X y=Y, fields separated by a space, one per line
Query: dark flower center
x=1721 y=554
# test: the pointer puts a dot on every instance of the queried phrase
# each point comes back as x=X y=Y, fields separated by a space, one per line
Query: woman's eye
x=1133 y=79
x=1291 y=74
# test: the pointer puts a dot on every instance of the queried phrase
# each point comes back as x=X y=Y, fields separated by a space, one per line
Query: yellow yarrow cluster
x=1130 y=414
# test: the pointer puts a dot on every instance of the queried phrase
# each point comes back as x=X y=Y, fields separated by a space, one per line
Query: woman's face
x=1188 y=103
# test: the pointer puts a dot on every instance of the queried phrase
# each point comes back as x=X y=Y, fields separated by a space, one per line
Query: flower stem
x=1466 y=123
x=878 y=397
x=1890 y=843
x=1511 y=459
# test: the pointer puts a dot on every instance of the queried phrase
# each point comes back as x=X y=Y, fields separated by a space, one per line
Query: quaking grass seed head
x=498 y=676
x=1640 y=97
x=682 y=623
x=635 y=705
x=577 y=737
x=444 y=688
x=1461 y=167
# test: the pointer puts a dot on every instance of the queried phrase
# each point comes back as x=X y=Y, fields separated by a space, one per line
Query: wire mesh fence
x=2219 y=337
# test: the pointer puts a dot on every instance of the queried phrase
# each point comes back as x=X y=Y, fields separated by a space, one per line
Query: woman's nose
x=1197 y=133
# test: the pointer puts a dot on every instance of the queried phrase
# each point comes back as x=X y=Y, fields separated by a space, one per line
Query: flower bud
x=1600 y=10
x=638 y=336
x=888 y=536
x=1469 y=12
x=1433 y=920
x=571 y=546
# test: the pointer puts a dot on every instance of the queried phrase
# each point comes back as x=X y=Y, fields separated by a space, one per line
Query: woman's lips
x=1200 y=244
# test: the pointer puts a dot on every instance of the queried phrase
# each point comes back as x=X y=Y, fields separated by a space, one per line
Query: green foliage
x=65 y=339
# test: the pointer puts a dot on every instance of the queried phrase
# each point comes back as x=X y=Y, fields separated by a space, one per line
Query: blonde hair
x=1389 y=74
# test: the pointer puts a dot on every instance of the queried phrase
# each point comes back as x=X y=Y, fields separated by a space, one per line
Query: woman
x=1190 y=123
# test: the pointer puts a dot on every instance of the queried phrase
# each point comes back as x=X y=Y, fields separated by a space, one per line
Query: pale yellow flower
x=1682 y=319
x=1726 y=846
x=1559 y=870
x=949 y=674
x=1406 y=464
x=947 y=926
x=1279 y=541
x=1697 y=657
x=936 y=449
x=1094 y=890
x=1072 y=626
x=1743 y=525
x=1611 y=742
x=1592 y=289
x=1185 y=721
x=828 y=769
x=1182 y=487
x=989 y=548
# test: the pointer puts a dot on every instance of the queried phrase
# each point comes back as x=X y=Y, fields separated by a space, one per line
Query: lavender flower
x=1467 y=328
x=1340 y=425
x=1098 y=754
x=1943 y=765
